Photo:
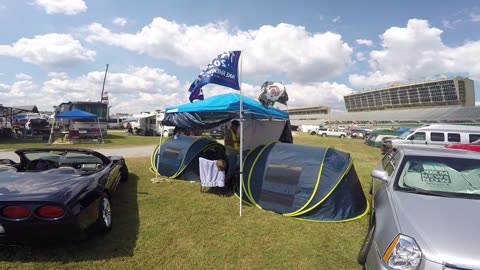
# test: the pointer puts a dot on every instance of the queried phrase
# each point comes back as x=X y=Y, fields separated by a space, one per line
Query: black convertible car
x=57 y=194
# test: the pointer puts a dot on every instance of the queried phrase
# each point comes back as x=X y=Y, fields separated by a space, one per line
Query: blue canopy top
x=76 y=114
x=229 y=103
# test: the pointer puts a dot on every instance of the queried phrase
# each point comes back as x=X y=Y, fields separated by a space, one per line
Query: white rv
x=150 y=123
x=440 y=134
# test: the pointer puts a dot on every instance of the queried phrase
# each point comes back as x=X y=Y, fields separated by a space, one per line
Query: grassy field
x=115 y=138
x=171 y=225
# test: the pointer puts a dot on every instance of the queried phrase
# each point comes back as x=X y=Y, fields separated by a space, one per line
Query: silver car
x=425 y=210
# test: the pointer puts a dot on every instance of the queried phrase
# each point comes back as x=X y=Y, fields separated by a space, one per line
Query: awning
x=135 y=118
x=10 y=111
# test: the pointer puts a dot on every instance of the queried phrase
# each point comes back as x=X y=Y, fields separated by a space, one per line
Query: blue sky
x=53 y=51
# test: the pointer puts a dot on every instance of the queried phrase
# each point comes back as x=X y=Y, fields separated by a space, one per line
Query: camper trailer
x=149 y=124
x=89 y=127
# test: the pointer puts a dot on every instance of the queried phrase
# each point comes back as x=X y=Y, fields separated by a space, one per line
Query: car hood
x=446 y=229
x=13 y=183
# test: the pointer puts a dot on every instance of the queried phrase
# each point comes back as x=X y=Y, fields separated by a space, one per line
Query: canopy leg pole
x=51 y=131
x=158 y=152
x=100 y=130
x=241 y=139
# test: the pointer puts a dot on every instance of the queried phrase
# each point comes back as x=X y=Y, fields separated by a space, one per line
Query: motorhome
x=149 y=123
x=88 y=127
x=440 y=134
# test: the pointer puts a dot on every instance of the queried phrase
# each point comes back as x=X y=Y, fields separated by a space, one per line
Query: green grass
x=171 y=225
x=115 y=138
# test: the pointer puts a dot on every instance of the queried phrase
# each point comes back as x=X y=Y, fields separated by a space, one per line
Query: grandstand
x=439 y=101
x=407 y=118
x=456 y=91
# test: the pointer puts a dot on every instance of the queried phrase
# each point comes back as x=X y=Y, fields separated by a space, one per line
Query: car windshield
x=404 y=135
x=434 y=175
x=64 y=157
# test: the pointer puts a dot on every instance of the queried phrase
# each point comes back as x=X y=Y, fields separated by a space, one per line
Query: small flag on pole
x=223 y=70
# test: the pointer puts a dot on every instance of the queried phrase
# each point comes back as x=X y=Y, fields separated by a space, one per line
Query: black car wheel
x=104 y=222
x=124 y=173
x=367 y=243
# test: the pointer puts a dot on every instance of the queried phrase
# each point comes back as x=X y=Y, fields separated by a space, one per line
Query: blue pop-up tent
x=213 y=111
x=76 y=114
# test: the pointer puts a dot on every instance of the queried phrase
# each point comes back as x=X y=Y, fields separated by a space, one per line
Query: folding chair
x=74 y=135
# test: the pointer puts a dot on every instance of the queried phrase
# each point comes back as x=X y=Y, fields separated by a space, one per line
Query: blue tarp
x=402 y=130
x=76 y=114
x=216 y=110
x=230 y=103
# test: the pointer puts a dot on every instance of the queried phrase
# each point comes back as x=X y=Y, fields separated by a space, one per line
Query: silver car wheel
x=106 y=212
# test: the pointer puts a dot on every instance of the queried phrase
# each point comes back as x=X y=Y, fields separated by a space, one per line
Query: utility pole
x=103 y=87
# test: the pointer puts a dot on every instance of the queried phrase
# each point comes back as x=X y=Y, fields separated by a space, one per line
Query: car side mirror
x=380 y=174
x=7 y=161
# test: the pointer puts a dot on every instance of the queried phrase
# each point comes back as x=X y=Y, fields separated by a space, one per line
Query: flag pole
x=241 y=136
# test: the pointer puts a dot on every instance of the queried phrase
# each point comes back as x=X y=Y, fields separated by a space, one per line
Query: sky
x=54 y=51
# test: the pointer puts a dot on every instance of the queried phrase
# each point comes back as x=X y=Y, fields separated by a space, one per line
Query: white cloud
x=23 y=76
x=284 y=49
x=360 y=56
x=120 y=21
x=50 y=50
x=318 y=94
x=475 y=17
x=447 y=24
x=417 y=51
x=67 y=7
x=337 y=19
x=137 y=89
x=16 y=93
x=58 y=75
x=4 y=88
x=365 y=42
x=141 y=89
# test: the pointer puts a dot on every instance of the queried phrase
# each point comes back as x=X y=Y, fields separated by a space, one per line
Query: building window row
x=426 y=94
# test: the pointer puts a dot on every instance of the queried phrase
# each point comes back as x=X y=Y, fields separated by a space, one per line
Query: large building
x=308 y=110
x=456 y=91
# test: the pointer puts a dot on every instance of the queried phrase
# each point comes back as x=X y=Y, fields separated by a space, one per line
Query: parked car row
x=434 y=135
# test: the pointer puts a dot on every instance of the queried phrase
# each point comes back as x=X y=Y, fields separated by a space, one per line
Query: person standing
x=232 y=148
x=28 y=128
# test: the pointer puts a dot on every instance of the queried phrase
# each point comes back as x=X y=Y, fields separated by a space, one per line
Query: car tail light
x=15 y=212
x=50 y=211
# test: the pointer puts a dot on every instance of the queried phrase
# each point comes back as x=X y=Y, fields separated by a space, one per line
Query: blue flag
x=223 y=70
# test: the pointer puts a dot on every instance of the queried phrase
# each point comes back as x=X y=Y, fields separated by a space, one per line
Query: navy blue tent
x=305 y=182
x=178 y=156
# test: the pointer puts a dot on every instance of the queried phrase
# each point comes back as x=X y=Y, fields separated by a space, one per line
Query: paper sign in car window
x=435 y=176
